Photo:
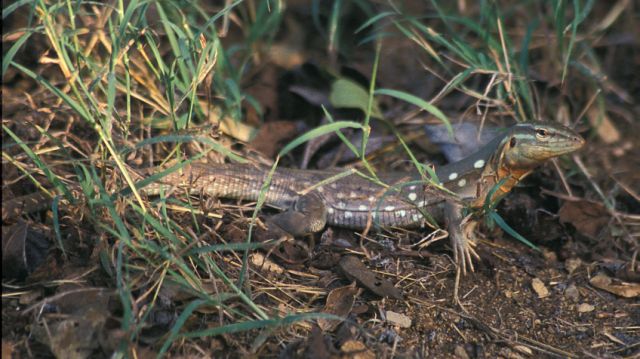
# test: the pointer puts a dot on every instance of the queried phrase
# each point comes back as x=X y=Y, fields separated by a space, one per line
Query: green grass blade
x=8 y=57
x=502 y=224
x=257 y=324
x=572 y=39
x=41 y=165
x=374 y=19
x=179 y=323
x=9 y=9
x=227 y=247
x=346 y=93
x=414 y=100
x=56 y=224
x=317 y=132
x=68 y=100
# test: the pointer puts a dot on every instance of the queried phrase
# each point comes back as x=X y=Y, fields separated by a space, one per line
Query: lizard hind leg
x=308 y=215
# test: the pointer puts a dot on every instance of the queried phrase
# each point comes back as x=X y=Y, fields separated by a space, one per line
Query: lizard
x=311 y=199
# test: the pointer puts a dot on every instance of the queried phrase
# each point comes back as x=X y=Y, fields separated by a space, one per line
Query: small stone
x=572 y=264
x=585 y=308
x=523 y=349
x=398 y=319
x=572 y=293
x=539 y=287
x=460 y=353
x=509 y=353
x=356 y=349
x=550 y=256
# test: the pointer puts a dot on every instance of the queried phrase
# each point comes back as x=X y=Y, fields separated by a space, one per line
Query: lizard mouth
x=563 y=144
x=573 y=143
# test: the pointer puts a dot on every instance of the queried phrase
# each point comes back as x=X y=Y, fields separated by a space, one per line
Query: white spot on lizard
x=478 y=164
x=453 y=176
x=412 y=196
x=462 y=182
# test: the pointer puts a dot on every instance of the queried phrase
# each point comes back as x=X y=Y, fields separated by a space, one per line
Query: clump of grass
x=126 y=75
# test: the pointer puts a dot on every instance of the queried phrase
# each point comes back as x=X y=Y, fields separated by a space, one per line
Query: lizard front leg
x=308 y=215
x=461 y=235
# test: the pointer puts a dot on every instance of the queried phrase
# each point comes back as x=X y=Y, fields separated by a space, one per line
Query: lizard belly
x=359 y=202
x=409 y=217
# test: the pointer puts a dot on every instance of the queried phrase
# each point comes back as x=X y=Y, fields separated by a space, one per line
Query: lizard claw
x=463 y=243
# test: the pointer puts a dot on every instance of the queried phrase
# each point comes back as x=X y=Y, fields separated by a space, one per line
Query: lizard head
x=527 y=145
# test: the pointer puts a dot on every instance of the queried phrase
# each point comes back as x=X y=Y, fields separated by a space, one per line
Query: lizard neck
x=506 y=160
x=470 y=177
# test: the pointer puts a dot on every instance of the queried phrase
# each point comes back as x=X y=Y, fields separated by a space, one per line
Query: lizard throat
x=513 y=176
x=490 y=178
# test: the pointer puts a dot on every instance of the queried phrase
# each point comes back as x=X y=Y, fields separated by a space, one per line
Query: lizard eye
x=512 y=143
x=542 y=132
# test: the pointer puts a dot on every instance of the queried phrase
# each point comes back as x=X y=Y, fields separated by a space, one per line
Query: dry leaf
x=606 y=130
x=353 y=268
x=259 y=260
x=339 y=303
x=623 y=289
x=587 y=217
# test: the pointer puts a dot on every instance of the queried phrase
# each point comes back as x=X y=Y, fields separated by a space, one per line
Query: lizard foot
x=308 y=215
x=463 y=243
x=461 y=235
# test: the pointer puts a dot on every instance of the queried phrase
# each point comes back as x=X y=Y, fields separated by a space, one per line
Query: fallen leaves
x=339 y=303
x=617 y=287
x=24 y=248
x=353 y=268
x=588 y=218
